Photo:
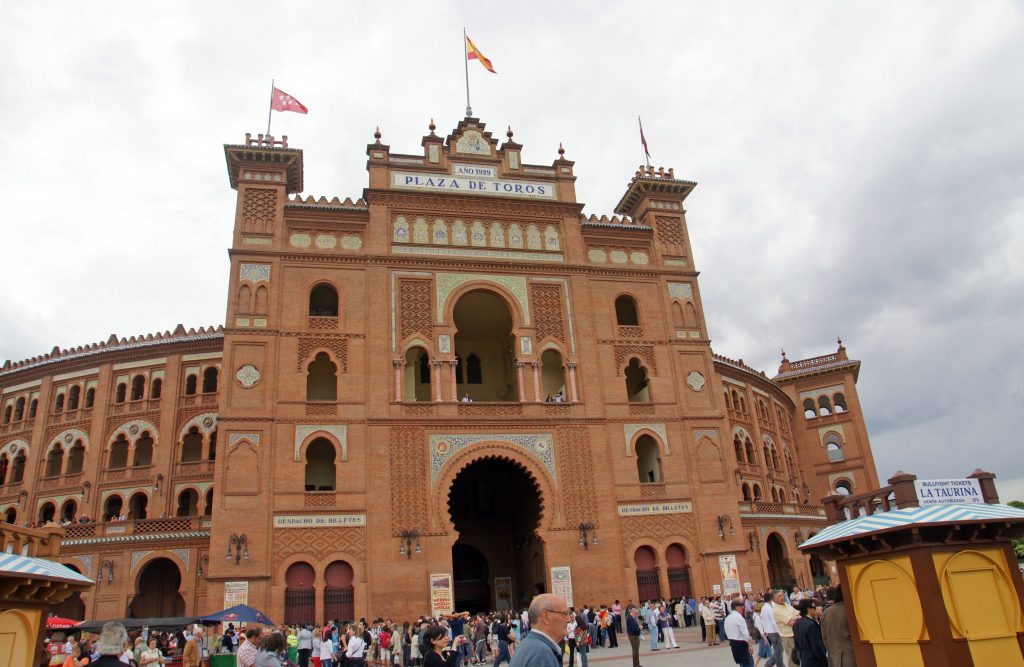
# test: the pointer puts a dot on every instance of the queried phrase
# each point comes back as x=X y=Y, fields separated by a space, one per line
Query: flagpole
x=643 y=142
x=270 y=111
x=465 y=61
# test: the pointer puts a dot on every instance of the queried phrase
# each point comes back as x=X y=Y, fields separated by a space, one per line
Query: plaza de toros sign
x=473 y=180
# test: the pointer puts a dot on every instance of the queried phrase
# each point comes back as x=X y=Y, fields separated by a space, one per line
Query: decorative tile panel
x=254 y=273
x=630 y=430
x=680 y=291
x=444 y=446
x=339 y=431
x=447 y=282
x=236 y=438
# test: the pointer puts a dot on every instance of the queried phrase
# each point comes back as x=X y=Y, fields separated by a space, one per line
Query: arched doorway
x=678 y=572
x=648 y=583
x=73 y=607
x=484 y=339
x=299 y=594
x=156 y=591
x=495 y=506
x=339 y=593
x=780 y=572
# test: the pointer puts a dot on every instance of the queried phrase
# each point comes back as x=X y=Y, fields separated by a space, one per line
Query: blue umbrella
x=241 y=613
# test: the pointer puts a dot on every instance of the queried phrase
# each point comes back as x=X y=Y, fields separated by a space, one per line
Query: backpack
x=385 y=639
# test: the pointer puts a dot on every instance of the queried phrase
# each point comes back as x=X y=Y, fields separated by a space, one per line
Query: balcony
x=775 y=509
x=321 y=323
x=34 y=542
x=630 y=332
x=198 y=399
x=148 y=527
x=18 y=426
x=72 y=482
x=194 y=469
x=115 y=476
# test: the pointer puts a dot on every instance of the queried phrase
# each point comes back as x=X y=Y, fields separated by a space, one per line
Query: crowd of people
x=766 y=626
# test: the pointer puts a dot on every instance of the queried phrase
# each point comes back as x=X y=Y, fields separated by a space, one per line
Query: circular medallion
x=247 y=375
x=68 y=438
x=133 y=429
x=540 y=446
x=208 y=422
x=695 y=380
x=442 y=447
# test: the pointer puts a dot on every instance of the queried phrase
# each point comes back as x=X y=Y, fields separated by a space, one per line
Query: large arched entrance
x=648 y=580
x=74 y=606
x=678 y=572
x=780 y=572
x=485 y=346
x=495 y=507
x=156 y=591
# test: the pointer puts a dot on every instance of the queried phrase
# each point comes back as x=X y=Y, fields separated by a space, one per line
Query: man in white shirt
x=739 y=638
x=771 y=633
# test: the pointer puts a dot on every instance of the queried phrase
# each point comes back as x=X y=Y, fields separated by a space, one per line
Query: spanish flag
x=473 y=53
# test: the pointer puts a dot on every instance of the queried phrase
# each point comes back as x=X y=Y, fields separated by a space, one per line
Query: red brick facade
x=323 y=422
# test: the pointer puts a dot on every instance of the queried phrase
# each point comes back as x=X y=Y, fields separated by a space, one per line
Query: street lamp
x=723 y=520
x=405 y=543
x=240 y=544
x=586 y=528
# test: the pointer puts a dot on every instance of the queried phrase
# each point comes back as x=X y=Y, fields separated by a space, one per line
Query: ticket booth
x=928 y=572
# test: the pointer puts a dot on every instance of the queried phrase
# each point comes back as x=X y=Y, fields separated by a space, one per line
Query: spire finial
x=784 y=354
x=509 y=133
x=377 y=134
x=561 y=150
x=432 y=127
x=839 y=340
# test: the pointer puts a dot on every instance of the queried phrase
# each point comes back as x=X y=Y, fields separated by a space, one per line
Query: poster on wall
x=730 y=575
x=561 y=583
x=235 y=593
x=442 y=594
x=716 y=589
x=503 y=593
x=747 y=587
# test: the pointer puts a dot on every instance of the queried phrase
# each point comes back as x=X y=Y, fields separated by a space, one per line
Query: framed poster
x=442 y=594
x=503 y=593
x=561 y=583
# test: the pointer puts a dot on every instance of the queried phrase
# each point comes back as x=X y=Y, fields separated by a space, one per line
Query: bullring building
x=455 y=391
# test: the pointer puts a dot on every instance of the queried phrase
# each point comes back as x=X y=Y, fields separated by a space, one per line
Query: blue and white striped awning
x=895 y=519
x=40 y=568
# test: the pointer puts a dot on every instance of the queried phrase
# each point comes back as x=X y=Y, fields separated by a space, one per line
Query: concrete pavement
x=691 y=651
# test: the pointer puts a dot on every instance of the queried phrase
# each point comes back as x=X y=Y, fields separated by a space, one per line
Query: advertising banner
x=561 y=583
x=503 y=593
x=442 y=594
x=730 y=575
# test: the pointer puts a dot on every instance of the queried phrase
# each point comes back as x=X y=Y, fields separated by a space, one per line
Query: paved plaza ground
x=691 y=651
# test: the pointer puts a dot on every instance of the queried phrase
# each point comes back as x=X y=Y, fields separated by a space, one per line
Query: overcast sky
x=860 y=168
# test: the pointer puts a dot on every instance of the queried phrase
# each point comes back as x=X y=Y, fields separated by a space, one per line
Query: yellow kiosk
x=928 y=572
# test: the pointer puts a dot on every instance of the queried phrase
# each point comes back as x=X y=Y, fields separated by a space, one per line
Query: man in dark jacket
x=807 y=636
x=633 y=632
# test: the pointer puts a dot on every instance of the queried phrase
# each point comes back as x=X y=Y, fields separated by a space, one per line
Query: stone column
x=519 y=377
x=455 y=389
x=536 y=381
x=399 y=365
x=574 y=395
x=436 y=379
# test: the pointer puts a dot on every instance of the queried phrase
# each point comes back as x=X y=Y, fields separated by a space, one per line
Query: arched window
x=809 y=410
x=735 y=400
x=19 y=409
x=143 y=451
x=192 y=446
x=775 y=495
x=76 y=458
x=648 y=463
x=68 y=511
x=47 y=512
x=552 y=376
x=112 y=508
x=323 y=301
x=322 y=379
x=678 y=321
x=783 y=496
x=262 y=298
x=90 y=397
x=138 y=388
x=212 y=455
x=208 y=505
x=320 y=469
x=843 y=487
x=637 y=389
x=156 y=387
x=749 y=447
x=18 y=468
x=824 y=406
x=474 y=372
x=33 y=405
x=8 y=411
x=191 y=384
x=413 y=388
x=690 y=316
x=767 y=457
x=121 y=393
x=244 y=303
x=746 y=492
x=4 y=463
x=738 y=446
x=725 y=393
x=188 y=503
x=460 y=370
x=743 y=405
x=74 y=394
x=210 y=380
x=138 y=506
x=840 y=402
x=118 y=453
x=626 y=312
x=58 y=405
x=775 y=458
x=11 y=515
x=55 y=461
x=423 y=363
x=834 y=447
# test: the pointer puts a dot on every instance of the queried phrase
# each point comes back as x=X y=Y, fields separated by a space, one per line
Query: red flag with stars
x=282 y=101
